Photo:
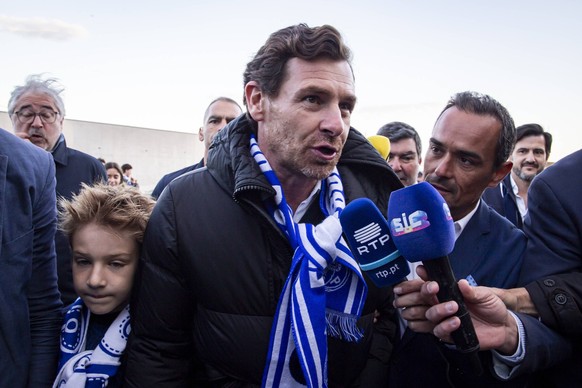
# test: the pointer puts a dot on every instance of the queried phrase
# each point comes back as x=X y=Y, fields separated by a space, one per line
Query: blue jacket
x=552 y=270
x=489 y=250
x=72 y=169
x=502 y=199
x=30 y=306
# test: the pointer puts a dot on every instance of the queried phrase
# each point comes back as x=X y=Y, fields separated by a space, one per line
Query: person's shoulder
x=11 y=143
x=187 y=185
x=190 y=175
x=81 y=158
x=492 y=194
x=174 y=174
x=73 y=153
x=564 y=170
x=23 y=152
x=500 y=225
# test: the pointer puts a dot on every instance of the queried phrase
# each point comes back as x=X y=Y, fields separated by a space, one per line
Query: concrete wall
x=152 y=152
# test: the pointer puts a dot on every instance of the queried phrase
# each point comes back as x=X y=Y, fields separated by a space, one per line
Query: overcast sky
x=158 y=64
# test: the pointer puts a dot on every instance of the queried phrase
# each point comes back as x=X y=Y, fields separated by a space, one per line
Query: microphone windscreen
x=381 y=144
x=368 y=236
x=421 y=223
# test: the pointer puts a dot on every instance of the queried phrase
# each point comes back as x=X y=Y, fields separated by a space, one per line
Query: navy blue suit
x=72 y=169
x=503 y=200
x=166 y=179
x=552 y=270
x=30 y=306
x=489 y=250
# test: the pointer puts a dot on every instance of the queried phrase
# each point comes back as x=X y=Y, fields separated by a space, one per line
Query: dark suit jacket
x=29 y=299
x=489 y=250
x=503 y=200
x=72 y=169
x=552 y=270
x=166 y=179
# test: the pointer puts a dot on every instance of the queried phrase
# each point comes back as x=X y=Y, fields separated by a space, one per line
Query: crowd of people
x=234 y=272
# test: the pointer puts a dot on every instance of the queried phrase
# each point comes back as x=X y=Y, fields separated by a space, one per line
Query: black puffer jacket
x=214 y=264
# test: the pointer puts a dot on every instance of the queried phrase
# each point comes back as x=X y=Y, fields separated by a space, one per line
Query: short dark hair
x=397 y=130
x=267 y=68
x=114 y=165
x=126 y=167
x=527 y=130
x=484 y=105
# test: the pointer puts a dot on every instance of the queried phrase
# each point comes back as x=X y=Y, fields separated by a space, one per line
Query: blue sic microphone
x=423 y=230
x=368 y=236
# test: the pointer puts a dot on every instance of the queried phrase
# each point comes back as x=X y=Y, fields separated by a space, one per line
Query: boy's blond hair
x=119 y=207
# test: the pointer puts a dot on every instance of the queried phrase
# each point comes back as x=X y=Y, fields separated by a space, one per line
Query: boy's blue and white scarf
x=324 y=292
x=90 y=368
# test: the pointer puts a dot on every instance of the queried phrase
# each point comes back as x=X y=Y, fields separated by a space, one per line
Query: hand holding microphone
x=423 y=230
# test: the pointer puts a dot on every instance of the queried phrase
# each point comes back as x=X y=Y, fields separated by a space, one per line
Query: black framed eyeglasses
x=27 y=115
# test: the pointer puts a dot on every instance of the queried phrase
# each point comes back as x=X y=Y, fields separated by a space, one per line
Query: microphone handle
x=464 y=337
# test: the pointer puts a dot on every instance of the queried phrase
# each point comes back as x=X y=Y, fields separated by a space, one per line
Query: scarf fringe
x=342 y=326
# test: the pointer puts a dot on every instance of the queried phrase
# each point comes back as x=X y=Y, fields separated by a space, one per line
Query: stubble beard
x=292 y=152
x=525 y=177
x=320 y=172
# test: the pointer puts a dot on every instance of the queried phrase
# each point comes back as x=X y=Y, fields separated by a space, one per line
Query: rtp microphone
x=367 y=233
x=381 y=144
x=422 y=228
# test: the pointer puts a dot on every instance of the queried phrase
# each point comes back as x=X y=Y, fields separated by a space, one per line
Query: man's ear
x=255 y=100
x=200 y=134
x=500 y=173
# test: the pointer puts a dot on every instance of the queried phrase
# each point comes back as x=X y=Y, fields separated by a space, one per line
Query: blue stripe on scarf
x=323 y=293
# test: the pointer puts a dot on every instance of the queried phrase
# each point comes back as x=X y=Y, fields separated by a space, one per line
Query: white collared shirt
x=303 y=206
x=520 y=201
x=462 y=223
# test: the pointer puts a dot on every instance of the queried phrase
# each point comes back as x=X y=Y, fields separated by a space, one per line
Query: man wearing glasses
x=37 y=113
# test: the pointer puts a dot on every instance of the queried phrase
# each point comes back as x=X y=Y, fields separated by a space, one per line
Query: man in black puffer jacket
x=215 y=260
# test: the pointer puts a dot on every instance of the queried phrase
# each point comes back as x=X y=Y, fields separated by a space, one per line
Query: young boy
x=105 y=226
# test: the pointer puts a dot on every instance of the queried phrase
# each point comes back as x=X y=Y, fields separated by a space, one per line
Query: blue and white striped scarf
x=324 y=292
x=90 y=368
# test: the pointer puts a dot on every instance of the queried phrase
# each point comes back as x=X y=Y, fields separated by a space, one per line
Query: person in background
x=105 y=225
x=114 y=174
x=549 y=299
x=128 y=175
x=405 y=151
x=468 y=150
x=30 y=315
x=37 y=112
x=530 y=156
x=219 y=112
x=227 y=252
x=102 y=161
